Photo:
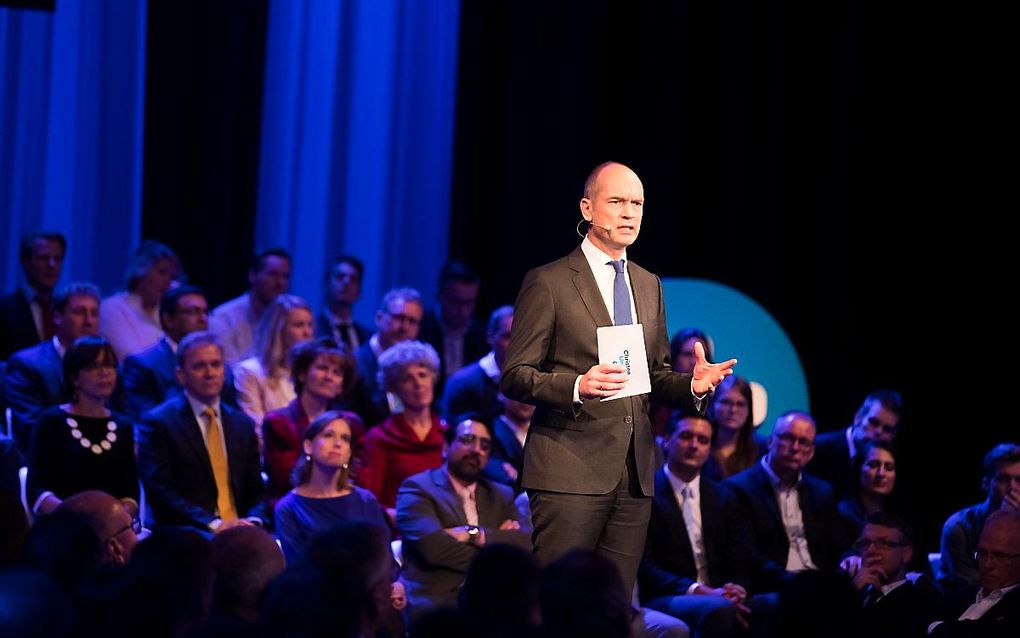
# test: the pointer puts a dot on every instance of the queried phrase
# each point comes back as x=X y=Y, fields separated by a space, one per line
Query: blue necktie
x=621 y=296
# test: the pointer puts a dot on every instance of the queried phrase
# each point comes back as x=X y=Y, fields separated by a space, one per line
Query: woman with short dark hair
x=83 y=445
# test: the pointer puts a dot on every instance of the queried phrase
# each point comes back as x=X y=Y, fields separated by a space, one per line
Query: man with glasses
x=895 y=604
x=448 y=514
x=996 y=608
x=116 y=528
x=793 y=518
x=877 y=419
x=958 y=574
x=397 y=319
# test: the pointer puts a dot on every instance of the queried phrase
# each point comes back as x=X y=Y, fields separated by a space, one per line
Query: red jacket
x=393 y=452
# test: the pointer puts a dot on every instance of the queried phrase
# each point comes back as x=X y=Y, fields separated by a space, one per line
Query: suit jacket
x=324 y=328
x=148 y=379
x=176 y=472
x=17 y=326
x=367 y=398
x=435 y=563
x=832 y=463
x=583 y=449
x=905 y=612
x=1001 y=621
x=35 y=381
x=475 y=344
x=471 y=390
x=505 y=449
x=822 y=526
x=668 y=567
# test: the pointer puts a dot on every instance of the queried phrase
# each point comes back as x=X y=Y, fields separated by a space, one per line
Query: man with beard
x=448 y=514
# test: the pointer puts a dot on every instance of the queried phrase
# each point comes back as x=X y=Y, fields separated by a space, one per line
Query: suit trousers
x=613 y=524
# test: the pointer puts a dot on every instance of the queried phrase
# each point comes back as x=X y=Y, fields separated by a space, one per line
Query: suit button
x=627 y=419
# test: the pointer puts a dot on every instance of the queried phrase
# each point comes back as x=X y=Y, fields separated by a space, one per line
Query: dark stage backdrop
x=795 y=151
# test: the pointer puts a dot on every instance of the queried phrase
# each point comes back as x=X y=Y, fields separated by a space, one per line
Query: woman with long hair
x=735 y=444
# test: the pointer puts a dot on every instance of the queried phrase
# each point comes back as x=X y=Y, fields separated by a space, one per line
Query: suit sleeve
x=668 y=386
x=23 y=398
x=418 y=522
x=254 y=486
x=507 y=511
x=157 y=473
x=525 y=377
x=653 y=577
x=140 y=394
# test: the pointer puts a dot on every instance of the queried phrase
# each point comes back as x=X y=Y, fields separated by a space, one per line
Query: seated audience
x=149 y=377
x=396 y=320
x=198 y=457
x=446 y=515
x=245 y=560
x=83 y=445
x=894 y=605
x=959 y=574
x=876 y=469
x=681 y=356
x=876 y=420
x=26 y=315
x=113 y=521
x=263 y=380
x=343 y=289
x=234 y=322
x=500 y=593
x=735 y=444
x=410 y=441
x=475 y=388
x=582 y=596
x=321 y=372
x=509 y=433
x=130 y=320
x=451 y=327
x=322 y=494
x=792 y=516
x=34 y=377
x=995 y=612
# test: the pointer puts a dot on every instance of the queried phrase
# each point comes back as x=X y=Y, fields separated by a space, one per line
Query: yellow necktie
x=218 y=460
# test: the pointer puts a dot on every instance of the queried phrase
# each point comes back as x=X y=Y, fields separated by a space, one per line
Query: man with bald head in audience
x=792 y=515
x=35 y=376
x=115 y=527
x=995 y=612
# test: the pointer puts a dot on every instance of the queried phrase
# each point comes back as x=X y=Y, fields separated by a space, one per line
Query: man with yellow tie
x=199 y=458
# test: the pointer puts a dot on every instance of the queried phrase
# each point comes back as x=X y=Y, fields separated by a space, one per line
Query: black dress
x=70 y=454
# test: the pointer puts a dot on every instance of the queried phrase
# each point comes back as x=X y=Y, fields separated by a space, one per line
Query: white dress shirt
x=799 y=556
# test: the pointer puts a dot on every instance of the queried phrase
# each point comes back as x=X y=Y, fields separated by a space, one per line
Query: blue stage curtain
x=72 y=85
x=357 y=140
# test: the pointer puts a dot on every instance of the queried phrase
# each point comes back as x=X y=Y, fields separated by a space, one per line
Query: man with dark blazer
x=475 y=388
x=35 y=376
x=509 y=433
x=343 y=288
x=448 y=514
x=793 y=517
x=996 y=609
x=696 y=552
x=876 y=420
x=198 y=457
x=149 y=377
x=26 y=315
x=451 y=327
x=589 y=463
x=893 y=604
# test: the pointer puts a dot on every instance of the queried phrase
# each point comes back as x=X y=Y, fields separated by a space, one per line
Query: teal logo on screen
x=739 y=327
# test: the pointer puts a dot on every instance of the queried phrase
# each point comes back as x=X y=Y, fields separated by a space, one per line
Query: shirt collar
x=170 y=342
x=679 y=484
x=489 y=367
x=995 y=594
x=596 y=257
x=774 y=478
x=850 y=441
x=61 y=350
x=199 y=408
x=458 y=486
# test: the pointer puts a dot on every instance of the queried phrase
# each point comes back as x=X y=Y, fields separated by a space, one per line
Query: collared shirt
x=170 y=342
x=799 y=556
x=198 y=408
x=490 y=367
x=693 y=524
x=982 y=603
x=887 y=588
x=850 y=442
x=605 y=275
x=61 y=350
x=467 y=498
x=520 y=432
x=340 y=327
x=233 y=324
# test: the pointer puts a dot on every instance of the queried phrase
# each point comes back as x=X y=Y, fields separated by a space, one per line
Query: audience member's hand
x=458 y=533
x=509 y=524
x=734 y=593
x=398 y=596
x=603 y=380
x=851 y=564
x=237 y=522
x=742 y=613
x=870 y=573
x=708 y=375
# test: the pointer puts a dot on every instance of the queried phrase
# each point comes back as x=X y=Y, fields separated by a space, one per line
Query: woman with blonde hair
x=263 y=381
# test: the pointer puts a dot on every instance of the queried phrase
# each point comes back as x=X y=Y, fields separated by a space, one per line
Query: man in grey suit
x=589 y=463
x=448 y=514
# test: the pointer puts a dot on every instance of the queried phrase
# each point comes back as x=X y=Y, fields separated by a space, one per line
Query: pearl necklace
x=96 y=448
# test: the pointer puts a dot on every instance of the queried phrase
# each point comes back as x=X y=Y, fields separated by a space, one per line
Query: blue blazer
x=35 y=381
x=148 y=379
x=176 y=472
x=17 y=326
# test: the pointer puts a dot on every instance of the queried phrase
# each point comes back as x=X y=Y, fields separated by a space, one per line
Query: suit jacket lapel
x=709 y=517
x=641 y=287
x=671 y=510
x=768 y=493
x=587 y=289
x=191 y=432
x=447 y=496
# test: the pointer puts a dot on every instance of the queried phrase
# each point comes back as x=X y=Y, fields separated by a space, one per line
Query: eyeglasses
x=879 y=543
x=989 y=554
x=789 y=439
x=135 y=525
x=484 y=443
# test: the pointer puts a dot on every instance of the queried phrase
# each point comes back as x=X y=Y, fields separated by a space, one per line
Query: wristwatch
x=473 y=533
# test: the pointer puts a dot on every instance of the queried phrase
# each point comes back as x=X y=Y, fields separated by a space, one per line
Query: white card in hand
x=625 y=345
